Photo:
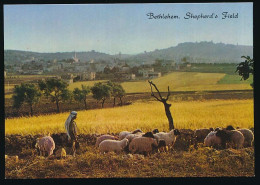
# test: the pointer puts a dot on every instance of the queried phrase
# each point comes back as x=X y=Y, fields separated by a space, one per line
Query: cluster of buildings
x=74 y=68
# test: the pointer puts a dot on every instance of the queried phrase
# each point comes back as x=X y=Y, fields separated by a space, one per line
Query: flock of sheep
x=138 y=142
x=221 y=138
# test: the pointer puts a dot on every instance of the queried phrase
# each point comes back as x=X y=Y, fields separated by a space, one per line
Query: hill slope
x=202 y=52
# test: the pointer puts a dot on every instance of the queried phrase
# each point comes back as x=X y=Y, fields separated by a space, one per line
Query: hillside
x=14 y=56
x=200 y=52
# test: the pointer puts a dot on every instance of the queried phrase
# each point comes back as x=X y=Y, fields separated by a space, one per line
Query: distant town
x=73 y=69
x=92 y=65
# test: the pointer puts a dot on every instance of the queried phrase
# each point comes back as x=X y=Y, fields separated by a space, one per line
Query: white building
x=152 y=74
x=141 y=71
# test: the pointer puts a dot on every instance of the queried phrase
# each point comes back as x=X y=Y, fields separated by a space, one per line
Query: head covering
x=69 y=119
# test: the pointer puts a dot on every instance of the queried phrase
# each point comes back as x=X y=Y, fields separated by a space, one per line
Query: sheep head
x=176 y=132
x=155 y=131
x=125 y=142
x=148 y=134
x=216 y=129
x=230 y=127
x=137 y=130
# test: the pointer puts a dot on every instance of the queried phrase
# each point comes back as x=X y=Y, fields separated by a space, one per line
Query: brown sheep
x=143 y=145
x=248 y=135
x=232 y=137
x=201 y=134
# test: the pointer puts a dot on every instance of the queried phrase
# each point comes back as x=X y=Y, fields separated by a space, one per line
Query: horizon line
x=127 y=53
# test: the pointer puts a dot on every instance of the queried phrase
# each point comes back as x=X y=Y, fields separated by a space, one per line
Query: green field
x=190 y=81
x=234 y=79
x=214 y=68
x=183 y=81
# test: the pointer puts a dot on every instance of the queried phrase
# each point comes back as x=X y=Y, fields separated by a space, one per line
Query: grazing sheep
x=201 y=134
x=123 y=134
x=130 y=137
x=45 y=144
x=155 y=131
x=161 y=145
x=60 y=139
x=248 y=135
x=212 y=140
x=110 y=145
x=143 y=145
x=169 y=137
x=232 y=137
x=104 y=137
x=230 y=127
x=148 y=134
x=137 y=131
x=216 y=129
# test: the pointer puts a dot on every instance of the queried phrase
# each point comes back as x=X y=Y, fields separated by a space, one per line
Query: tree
x=81 y=94
x=117 y=92
x=245 y=68
x=56 y=89
x=164 y=101
x=101 y=92
x=26 y=93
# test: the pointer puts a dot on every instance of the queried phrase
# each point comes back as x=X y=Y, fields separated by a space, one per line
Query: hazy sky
x=122 y=28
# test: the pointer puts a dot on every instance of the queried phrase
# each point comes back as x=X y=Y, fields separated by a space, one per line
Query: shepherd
x=71 y=128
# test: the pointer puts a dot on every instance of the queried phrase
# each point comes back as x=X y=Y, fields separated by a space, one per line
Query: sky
x=125 y=28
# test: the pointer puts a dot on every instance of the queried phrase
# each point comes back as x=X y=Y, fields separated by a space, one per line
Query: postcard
x=138 y=90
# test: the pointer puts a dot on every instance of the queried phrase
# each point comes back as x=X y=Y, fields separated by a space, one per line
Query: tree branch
x=151 y=83
x=152 y=94
x=168 y=93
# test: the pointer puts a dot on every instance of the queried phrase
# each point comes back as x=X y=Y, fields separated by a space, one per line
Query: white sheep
x=169 y=137
x=45 y=144
x=123 y=134
x=143 y=145
x=212 y=140
x=113 y=145
x=104 y=137
x=130 y=137
x=248 y=135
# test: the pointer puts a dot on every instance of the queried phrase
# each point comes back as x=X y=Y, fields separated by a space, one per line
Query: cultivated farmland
x=199 y=100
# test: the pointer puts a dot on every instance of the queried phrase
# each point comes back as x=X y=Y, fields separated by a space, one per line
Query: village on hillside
x=73 y=69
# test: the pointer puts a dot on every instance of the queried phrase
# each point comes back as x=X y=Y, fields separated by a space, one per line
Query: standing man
x=71 y=128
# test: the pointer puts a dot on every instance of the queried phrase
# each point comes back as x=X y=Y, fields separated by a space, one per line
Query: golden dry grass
x=143 y=115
